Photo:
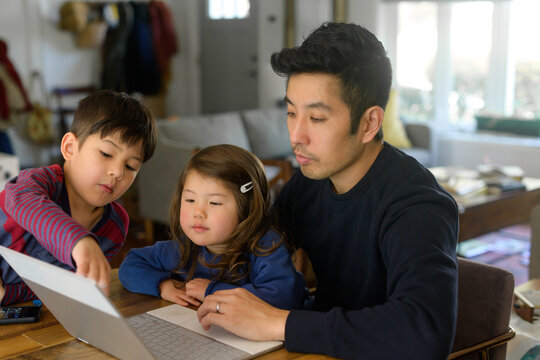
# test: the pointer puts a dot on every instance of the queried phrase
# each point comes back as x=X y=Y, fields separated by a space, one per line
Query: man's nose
x=298 y=132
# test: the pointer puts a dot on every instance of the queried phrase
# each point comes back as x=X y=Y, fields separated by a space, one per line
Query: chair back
x=485 y=296
x=534 y=260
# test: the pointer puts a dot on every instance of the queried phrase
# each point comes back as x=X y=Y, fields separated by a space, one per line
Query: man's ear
x=69 y=145
x=372 y=122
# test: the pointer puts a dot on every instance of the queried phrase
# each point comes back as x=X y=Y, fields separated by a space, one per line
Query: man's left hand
x=243 y=314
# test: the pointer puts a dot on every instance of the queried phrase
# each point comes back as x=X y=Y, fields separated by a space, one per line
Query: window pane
x=524 y=42
x=228 y=9
x=215 y=9
x=416 y=49
x=471 y=47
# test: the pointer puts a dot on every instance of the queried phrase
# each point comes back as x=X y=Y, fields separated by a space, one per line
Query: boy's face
x=100 y=170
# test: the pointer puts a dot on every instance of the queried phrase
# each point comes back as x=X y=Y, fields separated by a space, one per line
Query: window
x=456 y=59
x=416 y=48
x=228 y=9
x=470 y=47
x=524 y=39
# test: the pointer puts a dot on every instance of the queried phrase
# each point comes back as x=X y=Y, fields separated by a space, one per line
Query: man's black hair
x=350 y=52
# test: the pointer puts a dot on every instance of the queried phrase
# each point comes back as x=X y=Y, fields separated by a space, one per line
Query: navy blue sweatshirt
x=384 y=255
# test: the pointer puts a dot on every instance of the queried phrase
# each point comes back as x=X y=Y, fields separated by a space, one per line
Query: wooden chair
x=534 y=260
x=485 y=296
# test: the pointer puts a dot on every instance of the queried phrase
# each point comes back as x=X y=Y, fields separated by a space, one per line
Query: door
x=228 y=61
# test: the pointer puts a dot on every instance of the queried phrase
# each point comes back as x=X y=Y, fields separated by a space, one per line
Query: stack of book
x=458 y=181
x=487 y=179
x=502 y=179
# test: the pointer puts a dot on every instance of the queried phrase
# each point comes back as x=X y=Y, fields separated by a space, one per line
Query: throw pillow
x=393 y=129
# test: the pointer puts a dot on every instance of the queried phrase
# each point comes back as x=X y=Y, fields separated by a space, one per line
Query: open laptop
x=171 y=332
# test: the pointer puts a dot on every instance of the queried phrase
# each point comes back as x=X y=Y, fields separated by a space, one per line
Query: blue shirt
x=272 y=278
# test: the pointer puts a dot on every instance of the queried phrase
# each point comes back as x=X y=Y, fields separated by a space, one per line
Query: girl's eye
x=106 y=154
x=290 y=114
x=131 y=168
x=215 y=203
x=316 y=119
x=189 y=200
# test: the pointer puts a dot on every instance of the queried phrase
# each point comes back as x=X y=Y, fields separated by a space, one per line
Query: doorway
x=229 y=77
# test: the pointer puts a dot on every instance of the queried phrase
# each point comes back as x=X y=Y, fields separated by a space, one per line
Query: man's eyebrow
x=287 y=100
x=315 y=105
x=319 y=105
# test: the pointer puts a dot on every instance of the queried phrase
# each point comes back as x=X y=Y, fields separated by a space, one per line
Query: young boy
x=67 y=215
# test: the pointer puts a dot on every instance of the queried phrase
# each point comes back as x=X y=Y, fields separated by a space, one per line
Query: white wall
x=184 y=97
x=271 y=37
x=469 y=150
x=365 y=13
x=309 y=14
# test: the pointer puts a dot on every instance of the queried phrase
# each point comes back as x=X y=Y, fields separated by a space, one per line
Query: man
x=378 y=229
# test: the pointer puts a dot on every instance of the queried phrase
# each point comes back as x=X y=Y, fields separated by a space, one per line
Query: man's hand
x=243 y=314
x=175 y=291
x=196 y=288
x=91 y=262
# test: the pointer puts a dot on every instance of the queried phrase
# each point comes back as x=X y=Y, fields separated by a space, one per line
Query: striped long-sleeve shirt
x=35 y=220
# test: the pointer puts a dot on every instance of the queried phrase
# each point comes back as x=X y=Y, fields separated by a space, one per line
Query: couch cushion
x=206 y=130
x=268 y=133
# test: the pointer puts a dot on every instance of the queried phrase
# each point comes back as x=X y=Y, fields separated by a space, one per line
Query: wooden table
x=47 y=339
x=479 y=215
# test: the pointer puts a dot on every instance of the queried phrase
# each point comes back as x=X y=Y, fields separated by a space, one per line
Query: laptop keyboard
x=170 y=341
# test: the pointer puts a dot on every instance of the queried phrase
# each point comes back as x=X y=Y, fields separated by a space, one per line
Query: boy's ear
x=69 y=145
x=372 y=122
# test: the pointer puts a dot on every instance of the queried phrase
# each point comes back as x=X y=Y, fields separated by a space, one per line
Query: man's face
x=319 y=129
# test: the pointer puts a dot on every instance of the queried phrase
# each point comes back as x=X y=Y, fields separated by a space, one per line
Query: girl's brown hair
x=233 y=167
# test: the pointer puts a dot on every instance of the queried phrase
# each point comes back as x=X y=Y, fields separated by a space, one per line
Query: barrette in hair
x=246 y=187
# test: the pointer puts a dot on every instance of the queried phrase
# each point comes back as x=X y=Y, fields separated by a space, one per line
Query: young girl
x=221 y=221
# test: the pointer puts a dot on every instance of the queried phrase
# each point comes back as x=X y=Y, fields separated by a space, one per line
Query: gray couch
x=261 y=131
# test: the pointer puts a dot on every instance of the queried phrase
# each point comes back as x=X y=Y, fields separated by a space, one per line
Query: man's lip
x=302 y=159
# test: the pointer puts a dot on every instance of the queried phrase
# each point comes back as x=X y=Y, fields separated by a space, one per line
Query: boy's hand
x=175 y=292
x=91 y=262
x=197 y=288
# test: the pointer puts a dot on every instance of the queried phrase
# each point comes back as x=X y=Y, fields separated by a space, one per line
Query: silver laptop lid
x=79 y=305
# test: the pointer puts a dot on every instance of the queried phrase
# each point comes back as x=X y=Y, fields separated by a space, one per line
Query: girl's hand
x=175 y=291
x=197 y=288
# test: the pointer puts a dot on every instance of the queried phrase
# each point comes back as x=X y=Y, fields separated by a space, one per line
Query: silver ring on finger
x=217 y=307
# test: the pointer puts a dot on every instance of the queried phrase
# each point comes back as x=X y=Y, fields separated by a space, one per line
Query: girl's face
x=208 y=212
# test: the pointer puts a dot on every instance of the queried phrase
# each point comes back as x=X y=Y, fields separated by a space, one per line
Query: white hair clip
x=246 y=187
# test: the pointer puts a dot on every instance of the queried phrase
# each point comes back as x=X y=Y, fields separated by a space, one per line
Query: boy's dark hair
x=107 y=112
x=350 y=52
